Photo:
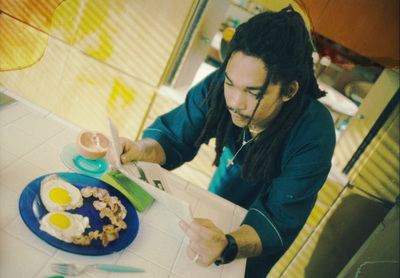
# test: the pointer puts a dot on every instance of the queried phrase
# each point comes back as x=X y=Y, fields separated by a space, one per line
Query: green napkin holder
x=139 y=198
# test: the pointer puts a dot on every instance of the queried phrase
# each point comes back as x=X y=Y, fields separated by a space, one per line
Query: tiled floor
x=31 y=141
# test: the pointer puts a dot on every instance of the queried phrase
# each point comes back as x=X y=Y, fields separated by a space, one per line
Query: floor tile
x=185 y=268
x=9 y=174
x=13 y=112
x=6 y=158
x=48 y=158
x=157 y=219
x=3 y=123
x=64 y=138
x=64 y=122
x=8 y=206
x=19 y=229
x=134 y=260
x=10 y=263
x=151 y=250
x=38 y=126
x=14 y=140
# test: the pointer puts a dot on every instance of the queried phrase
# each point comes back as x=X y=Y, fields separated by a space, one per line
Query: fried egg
x=64 y=225
x=58 y=195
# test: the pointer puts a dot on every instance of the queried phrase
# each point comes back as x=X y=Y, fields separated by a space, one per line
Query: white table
x=31 y=140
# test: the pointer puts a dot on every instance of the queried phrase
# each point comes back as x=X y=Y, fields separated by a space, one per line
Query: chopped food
x=108 y=206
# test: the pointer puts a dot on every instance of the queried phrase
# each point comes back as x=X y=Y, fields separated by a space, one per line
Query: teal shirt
x=278 y=207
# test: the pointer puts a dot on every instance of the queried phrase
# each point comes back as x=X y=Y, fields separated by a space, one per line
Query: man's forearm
x=248 y=241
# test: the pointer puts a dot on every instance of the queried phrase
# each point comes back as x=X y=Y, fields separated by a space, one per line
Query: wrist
x=151 y=151
x=230 y=252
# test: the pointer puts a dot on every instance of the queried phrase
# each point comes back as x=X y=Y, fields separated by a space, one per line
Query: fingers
x=206 y=240
x=186 y=228
x=192 y=255
x=142 y=150
x=199 y=258
x=204 y=228
x=191 y=230
x=125 y=159
x=130 y=150
x=201 y=228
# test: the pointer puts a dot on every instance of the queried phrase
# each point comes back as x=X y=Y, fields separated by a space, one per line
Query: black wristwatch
x=230 y=252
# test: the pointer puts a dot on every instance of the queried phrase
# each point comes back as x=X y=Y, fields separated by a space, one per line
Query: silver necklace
x=244 y=143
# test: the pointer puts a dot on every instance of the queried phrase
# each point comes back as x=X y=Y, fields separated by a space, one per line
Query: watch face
x=230 y=252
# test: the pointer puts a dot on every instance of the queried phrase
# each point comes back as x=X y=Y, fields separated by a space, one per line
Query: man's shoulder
x=315 y=121
x=315 y=111
x=314 y=131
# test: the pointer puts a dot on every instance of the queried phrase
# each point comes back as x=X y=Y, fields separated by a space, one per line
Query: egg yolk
x=60 y=220
x=59 y=196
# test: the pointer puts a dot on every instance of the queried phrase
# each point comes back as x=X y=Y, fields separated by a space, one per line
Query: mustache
x=237 y=111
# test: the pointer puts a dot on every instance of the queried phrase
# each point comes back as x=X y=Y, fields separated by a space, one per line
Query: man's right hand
x=148 y=150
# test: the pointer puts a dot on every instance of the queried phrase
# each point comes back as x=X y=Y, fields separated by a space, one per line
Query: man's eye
x=254 y=94
x=228 y=83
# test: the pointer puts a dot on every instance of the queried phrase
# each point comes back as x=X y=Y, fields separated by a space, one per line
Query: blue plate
x=32 y=210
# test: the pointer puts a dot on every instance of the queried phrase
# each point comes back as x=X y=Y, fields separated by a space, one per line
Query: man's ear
x=292 y=91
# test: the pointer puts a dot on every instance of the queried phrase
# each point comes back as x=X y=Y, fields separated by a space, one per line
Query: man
x=274 y=141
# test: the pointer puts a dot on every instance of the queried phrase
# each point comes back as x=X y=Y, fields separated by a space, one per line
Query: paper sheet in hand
x=150 y=178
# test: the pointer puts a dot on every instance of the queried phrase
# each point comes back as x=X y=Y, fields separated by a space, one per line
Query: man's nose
x=237 y=99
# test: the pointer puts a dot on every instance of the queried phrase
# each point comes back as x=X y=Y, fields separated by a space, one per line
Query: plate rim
x=32 y=191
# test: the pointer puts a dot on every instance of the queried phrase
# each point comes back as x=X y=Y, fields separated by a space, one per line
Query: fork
x=75 y=269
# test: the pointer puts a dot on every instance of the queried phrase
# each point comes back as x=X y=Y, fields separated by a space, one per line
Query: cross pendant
x=230 y=162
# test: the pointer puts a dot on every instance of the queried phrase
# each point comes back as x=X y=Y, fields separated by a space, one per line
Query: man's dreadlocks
x=282 y=41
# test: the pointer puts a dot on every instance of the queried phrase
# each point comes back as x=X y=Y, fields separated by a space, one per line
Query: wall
x=379 y=255
x=347 y=214
x=87 y=60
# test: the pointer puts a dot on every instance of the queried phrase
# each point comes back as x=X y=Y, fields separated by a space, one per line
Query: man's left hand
x=207 y=241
